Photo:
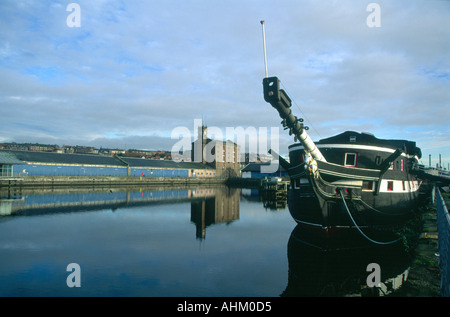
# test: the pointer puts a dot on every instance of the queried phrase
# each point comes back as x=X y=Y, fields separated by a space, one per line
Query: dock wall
x=443 y=224
x=245 y=182
x=104 y=181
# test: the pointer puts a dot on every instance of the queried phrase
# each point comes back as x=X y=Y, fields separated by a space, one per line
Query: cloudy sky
x=134 y=71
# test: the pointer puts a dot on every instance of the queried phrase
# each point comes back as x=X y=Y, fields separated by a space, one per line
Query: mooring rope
x=357 y=227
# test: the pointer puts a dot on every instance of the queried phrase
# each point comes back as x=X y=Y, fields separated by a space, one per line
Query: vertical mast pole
x=264 y=44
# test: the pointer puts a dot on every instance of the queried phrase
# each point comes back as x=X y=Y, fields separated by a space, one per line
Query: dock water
x=424 y=279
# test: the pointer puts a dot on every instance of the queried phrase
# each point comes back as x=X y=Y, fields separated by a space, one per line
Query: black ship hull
x=365 y=184
x=349 y=181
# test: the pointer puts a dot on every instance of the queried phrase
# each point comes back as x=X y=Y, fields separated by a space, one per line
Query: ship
x=352 y=181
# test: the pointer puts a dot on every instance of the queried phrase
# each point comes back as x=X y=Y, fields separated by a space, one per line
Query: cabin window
x=292 y=184
x=301 y=158
x=378 y=160
x=390 y=185
x=402 y=165
x=297 y=182
x=367 y=185
x=350 y=159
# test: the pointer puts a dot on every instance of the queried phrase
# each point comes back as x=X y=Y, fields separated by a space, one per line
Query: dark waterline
x=172 y=242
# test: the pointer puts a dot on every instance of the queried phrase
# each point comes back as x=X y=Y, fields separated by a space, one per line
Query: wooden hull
x=329 y=211
x=353 y=192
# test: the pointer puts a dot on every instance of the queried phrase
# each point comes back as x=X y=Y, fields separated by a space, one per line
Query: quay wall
x=104 y=181
x=443 y=225
x=254 y=183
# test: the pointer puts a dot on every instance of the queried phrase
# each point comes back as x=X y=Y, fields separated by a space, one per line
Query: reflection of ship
x=223 y=207
x=316 y=270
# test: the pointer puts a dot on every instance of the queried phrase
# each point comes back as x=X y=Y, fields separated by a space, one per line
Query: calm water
x=171 y=242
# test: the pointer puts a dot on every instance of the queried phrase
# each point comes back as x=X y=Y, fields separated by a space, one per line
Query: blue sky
x=135 y=70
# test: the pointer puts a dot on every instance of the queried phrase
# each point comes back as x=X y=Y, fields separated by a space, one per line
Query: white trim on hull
x=297 y=147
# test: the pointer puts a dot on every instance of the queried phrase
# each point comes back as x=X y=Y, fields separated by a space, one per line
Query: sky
x=112 y=73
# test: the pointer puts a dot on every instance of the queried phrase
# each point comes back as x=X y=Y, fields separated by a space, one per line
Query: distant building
x=29 y=163
x=30 y=147
x=247 y=158
x=7 y=161
x=153 y=155
x=222 y=156
x=256 y=170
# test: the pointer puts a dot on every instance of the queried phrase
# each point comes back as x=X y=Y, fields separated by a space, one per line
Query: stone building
x=223 y=156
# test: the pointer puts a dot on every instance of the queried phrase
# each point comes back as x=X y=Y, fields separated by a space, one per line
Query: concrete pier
x=424 y=278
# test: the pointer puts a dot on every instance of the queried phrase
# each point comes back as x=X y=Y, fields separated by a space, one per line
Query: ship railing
x=443 y=226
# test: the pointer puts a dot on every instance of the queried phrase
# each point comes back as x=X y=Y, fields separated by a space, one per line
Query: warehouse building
x=159 y=168
x=28 y=163
x=7 y=161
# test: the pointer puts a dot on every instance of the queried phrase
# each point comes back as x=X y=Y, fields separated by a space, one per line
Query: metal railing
x=443 y=225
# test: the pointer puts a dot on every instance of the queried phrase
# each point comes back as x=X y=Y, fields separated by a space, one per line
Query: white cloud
x=137 y=69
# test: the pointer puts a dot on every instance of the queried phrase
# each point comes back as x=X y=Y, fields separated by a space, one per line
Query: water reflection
x=315 y=269
x=6 y=205
x=143 y=242
x=151 y=251
x=212 y=205
x=270 y=202
x=223 y=207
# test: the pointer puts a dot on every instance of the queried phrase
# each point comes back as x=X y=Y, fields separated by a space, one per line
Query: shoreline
x=12 y=184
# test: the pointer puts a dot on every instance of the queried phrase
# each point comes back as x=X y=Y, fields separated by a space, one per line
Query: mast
x=280 y=100
x=264 y=46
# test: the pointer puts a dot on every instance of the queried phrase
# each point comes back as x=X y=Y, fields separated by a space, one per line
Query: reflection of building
x=53 y=200
x=224 y=157
x=6 y=206
x=223 y=207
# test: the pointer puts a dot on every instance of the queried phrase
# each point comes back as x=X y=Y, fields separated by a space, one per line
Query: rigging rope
x=357 y=227
x=293 y=101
